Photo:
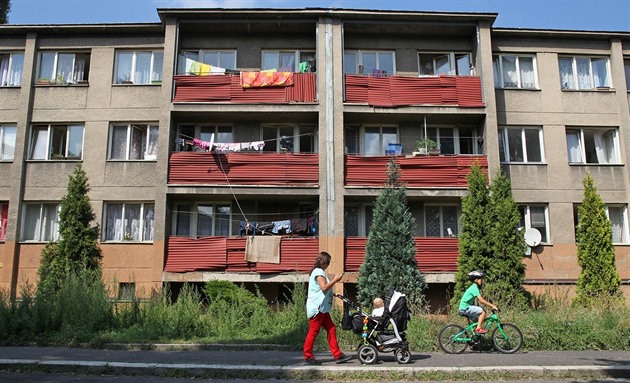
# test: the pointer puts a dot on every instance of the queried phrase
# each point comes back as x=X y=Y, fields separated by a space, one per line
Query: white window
x=521 y=145
x=133 y=142
x=63 y=67
x=378 y=63
x=220 y=58
x=222 y=134
x=449 y=63
x=128 y=222
x=455 y=140
x=511 y=71
x=4 y=213
x=138 y=67
x=56 y=142
x=377 y=138
x=619 y=220
x=202 y=220
x=287 y=138
x=41 y=222
x=11 y=69
x=7 y=142
x=357 y=220
x=535 y=216
x=584 y=72
x=285 y=60
x=441 y=220
x=592 y=146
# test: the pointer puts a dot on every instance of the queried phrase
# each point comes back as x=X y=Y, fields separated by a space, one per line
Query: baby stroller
x=379 y=334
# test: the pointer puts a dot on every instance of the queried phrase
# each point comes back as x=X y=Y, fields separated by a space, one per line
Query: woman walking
x=318 y=307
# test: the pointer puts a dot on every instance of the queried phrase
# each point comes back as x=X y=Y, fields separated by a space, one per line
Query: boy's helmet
x=475 y=275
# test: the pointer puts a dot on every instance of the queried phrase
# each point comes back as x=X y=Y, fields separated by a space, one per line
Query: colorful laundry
x=266 y=78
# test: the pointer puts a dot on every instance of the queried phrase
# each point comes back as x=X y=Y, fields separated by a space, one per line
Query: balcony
x=277 y=169
x=421 y=171
x=228 y=255
x=432 y=254
x=394 y=91
x=228 y=89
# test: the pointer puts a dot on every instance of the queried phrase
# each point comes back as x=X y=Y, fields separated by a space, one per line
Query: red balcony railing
x=228 y=254
x=432 y=254
x=392 y=91
x=421 y=171
x=227 y=88
x=243 y=168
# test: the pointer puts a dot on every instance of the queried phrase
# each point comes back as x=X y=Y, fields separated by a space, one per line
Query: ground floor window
x=128 y=222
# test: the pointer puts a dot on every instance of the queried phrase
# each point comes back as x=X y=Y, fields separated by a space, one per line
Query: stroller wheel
x=403 y=356
x=367 y=354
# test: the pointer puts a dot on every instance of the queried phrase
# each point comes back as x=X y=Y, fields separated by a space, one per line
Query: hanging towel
x=263 y=249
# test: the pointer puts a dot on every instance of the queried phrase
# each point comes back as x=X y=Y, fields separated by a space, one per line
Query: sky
x=589 y=15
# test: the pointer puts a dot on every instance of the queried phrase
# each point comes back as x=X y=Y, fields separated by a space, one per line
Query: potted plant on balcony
x=426 y=146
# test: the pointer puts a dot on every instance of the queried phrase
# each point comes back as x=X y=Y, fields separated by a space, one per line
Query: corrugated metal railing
x=421 y=171
x=392 y=91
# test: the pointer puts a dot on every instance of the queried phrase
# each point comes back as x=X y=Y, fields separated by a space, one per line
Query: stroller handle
x=348 y=301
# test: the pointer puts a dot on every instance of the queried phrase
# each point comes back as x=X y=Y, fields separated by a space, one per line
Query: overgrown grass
x=82 y=314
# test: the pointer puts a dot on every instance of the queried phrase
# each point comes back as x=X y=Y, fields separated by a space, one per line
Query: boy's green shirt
x=469 y=296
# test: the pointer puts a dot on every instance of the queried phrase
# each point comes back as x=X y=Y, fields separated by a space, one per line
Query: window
x=619 y=220
x=592 y=146
x=63 y=67
x=357 y=220
x=514 y=71
x=285 y=138
x=202 y=220
x=450 y=63
x=128 y=222
x=369 y=62
x=126 y=291
x=520 y=145
x=441 y=220
x=4 y=213
x=535 y=216
x=219 y=58
x=285 y=61
x=11 y=69
x=222 y=134
x=626 y=67
x=455 y=140
x=584 y=72
x=376 y=139
x=7 y=142
x=133 y=142
x=138 y=67
x=56 y=142
x=41 y=222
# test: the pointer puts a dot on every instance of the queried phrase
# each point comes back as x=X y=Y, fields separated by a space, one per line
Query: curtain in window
x=7 y=149
x=132 y=222
x=510 y=75
x=79 y=69
x=65 y=64
x=113 y=223
x=50 y=230
x=584 y=73
x=119 y=143
x=573 y=147
x=497 y=72
x=287 y=62
x=204 y=221
x=616 y=216
x=11 y=69
x=566 y=73
x=600 y=72
x=537 y=218
x=39 y=149
x=143 y=68
x=153 y=140
x=4 y=211
x=609 y=144
x=47 y=66
x=4 y=70
x=138 y=142
x=600 y=148
x=182 y=220
x=147 y=231
x=32 y=222
x=502 y=146
x=526 y=65
x=222 y=221
x=158 y=60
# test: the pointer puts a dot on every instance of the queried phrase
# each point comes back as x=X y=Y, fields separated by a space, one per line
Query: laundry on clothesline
x=303 y=226
x=219 y=147
x=201 y=69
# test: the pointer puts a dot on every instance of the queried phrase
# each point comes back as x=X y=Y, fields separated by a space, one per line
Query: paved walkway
x=254 y=361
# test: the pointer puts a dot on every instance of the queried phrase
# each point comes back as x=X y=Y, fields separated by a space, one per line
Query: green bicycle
x=507 y=338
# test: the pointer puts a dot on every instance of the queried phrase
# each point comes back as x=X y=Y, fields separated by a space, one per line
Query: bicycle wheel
x=509 y=343
x=447 y=340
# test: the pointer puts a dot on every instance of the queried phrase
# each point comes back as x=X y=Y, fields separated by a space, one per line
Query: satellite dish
x=532 y=237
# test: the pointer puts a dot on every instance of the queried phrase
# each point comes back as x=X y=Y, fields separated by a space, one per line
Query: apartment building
x=237 y=144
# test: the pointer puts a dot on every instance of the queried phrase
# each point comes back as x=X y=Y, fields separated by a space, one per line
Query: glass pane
x=463 y=65
x=270 y=60
x=626 y=67
x=119 y=143
x=7 y=149
x=158 y=61
x=228 y=60
x=352 y=140
x=39 y=149
x=510 y=77
x=515 y=145
x=307 y=139
x=75 y=142
x=65 y=65
x=426 y=64
x=532 y=143
x=138 y=142
x=447 y=142
x=496 y=71
x=566 y=73
x=224 y=134
x=351 y=221
x=123 y=67
x=368 y=60
x=204 y=220
x=147 y=230
x=442 y=64
x=287 y=62
x=143 y=68
x=14 y=77
x=114 y=223
x=211 y=57
x=153 y=141
x=32 y=222
x=526 y=65
x=386 y=62
x=390 y=136
x=132 y=222
x=600 y=72
x=349 y=63
x=615 y=214
x=573 y=146
x=432 y=220
x=449 y=219
x=537 y=217
x=47 y=66
x=58 y=142
x=81 y=67
x=584 y=73
x=223 y=221
x=286 y=139
x=50 y=231
x=373 y=145
x=182 y=220
x=502 y=146
x=270 y=136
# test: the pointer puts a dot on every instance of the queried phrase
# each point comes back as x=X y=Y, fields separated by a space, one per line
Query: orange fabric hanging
x=266 y=78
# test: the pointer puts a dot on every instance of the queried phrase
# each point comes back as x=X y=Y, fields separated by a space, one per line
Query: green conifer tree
x=390 y=250
x=506 y=273
x=5 y=7
x=474 y=249
x=598 y=280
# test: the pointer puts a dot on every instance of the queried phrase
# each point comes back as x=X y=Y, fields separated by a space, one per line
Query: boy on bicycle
x=466 y=307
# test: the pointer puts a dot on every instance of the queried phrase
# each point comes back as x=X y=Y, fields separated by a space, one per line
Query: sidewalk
x=220 y=360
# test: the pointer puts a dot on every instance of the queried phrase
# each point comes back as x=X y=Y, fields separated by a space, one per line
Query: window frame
x=358 y=58
x=193 y=217
x=365 y=216
x=298 y=56
x=199 y=54
x=12 y=73
x=575 y=74
x=526 y=220
x=504 y=144
x=625 y=235
x=582 y=145
x=148 y=129
x=434 y=132
x=382 y=143
x=500 y=84
x=298 y=131
x=154 y=76
x=127 y=237
x=44 y=222
x=452 y=63
x=4 y=157
x=198 y=132
x=51 y=139
x=77 y=76
x=443 y=229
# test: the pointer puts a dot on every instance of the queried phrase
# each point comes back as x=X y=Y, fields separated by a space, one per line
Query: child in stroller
x=385 y=333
